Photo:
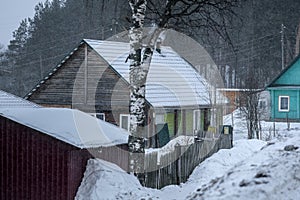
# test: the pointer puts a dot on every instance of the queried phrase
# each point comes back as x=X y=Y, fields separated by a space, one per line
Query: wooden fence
x=176 y=166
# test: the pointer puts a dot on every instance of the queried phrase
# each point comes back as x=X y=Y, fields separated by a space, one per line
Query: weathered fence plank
x=176 y=166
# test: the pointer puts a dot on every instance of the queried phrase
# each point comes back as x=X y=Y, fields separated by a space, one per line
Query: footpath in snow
x=252 y=169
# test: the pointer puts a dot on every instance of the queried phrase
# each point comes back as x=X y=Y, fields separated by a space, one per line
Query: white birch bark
x=140 y=60
x=137 y=90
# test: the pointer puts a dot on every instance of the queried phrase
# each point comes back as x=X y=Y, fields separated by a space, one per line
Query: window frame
x=121 y=122
x=95 y=115
x=280 y=109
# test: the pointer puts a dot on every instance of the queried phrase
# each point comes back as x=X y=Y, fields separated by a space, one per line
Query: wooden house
x=44 y=151
x=285 y=93
x=94 y=78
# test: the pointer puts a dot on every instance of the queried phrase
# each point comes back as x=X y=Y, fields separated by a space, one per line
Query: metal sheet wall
x=37 y=166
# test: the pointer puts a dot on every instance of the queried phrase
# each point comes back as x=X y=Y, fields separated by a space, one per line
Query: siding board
x=105 y=90
x=38 y=166
x=32 y=166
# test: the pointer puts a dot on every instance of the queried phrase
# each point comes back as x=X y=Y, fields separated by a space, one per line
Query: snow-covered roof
x=171 y=80
x=8 y=100
x=71 y=126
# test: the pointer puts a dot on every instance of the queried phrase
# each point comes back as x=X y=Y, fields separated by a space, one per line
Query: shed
x=94 y=78
x=285 y=93
x=44 y=152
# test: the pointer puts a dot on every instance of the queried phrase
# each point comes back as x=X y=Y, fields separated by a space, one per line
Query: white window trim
x=128 y=124
x=95 y=115
x=279 y=104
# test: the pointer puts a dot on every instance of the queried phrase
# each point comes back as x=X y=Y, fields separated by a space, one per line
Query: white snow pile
x=212 y=168
x=271 y=173
x=104 y=180
x=252 y=169
x=268 y=129
x=238 y=121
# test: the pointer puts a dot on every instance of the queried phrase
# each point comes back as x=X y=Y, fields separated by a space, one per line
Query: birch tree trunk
x=138 y=76
x=140 y=59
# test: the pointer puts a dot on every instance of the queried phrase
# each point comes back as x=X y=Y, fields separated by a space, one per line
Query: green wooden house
x=285 y=93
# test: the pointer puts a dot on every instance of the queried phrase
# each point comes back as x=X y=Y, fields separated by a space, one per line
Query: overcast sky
x=12 y=12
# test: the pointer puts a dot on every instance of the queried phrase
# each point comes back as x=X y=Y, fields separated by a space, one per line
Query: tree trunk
x=138 y=77
x=139 y=67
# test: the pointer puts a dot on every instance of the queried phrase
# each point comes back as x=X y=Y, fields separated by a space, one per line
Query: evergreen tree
x=249 y=39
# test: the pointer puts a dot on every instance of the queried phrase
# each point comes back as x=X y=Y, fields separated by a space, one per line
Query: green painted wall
x=202 y=120
x=293 y=112
x=287 y=84
x=169 y=119
x=189 y=122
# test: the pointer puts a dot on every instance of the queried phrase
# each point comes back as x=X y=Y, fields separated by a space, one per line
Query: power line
x=246 y=49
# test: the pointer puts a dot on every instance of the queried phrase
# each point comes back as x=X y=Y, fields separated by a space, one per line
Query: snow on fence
x=174 y=167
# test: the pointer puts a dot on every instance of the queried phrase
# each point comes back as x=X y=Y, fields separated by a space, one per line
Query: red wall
x=36 y=166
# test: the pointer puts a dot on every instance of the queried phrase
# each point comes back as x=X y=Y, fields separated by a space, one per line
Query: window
x=125 y=121
x=99 y=115
x=284 y=103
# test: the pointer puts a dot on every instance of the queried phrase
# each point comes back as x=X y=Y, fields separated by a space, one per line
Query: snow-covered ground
x=252 y=169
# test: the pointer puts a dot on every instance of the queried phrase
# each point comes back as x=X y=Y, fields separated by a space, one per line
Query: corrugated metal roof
x=71 y=126
x=171 y=80
x=8 y=100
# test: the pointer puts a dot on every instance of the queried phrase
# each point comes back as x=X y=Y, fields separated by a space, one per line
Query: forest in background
x=247 y=51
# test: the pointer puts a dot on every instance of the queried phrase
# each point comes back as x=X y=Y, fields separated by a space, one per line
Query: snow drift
x=252 y=169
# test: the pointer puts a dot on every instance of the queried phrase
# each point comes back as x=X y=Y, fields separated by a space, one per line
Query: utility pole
x=282 y=46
